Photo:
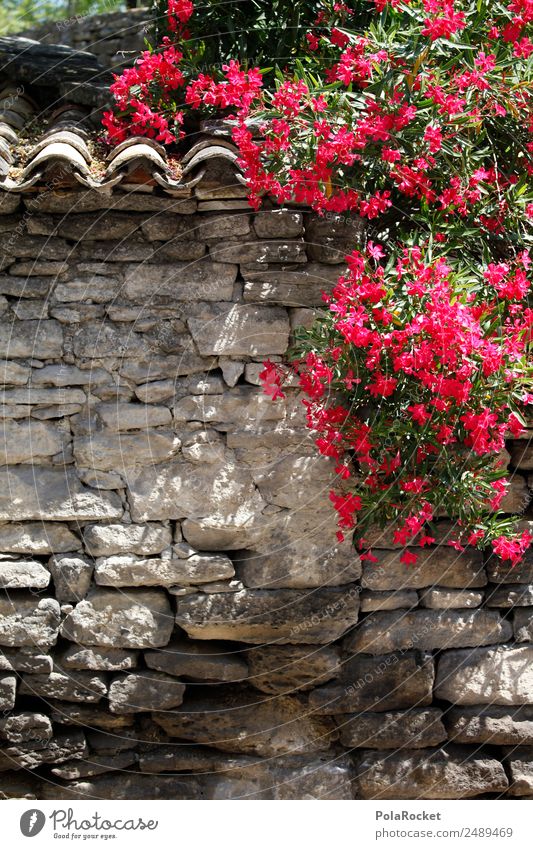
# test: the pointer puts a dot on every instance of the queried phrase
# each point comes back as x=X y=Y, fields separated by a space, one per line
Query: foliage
x=423 y=125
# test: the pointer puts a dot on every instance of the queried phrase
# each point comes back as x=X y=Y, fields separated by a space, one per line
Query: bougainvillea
x=417 y=368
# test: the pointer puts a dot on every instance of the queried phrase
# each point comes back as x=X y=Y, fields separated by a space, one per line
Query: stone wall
x=177 y=619
x=115 y=38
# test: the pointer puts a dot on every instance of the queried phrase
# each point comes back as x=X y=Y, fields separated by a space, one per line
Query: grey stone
x=158 y=390
x=67 y=375
x=27 y=620
x=20 y=574
x=166 y=284
x=67 y=685
x=286 y=669
x=222 y=226
x=38 y=269
x=455 y=772
x=98 y=659
x=300 y=286
x=121 y=417
x=238 y=407
x=428 y=629
x=517 y=595
x=136 y=619
x=443 y=567
x=387 y=600
x=88 y=716
x=282 y=250
x=503 y=572
x=331 y=236
x=278 y=223
x=132 y=786
x=90 y=288
x=104 y=540
x=128 y=571
x=142 y=691
x=115 y=452
x=36 y=396
x=25 y=287
x=106 y=225
x=283 y=616
x=97 y=765
x=237 y=329
x=42 y=339
x=501 y=675
x=245 y=722
x=172 y=366
x=441 y=599
x=100 y=340
x=8 y=689
x=13 y=374
x=178 y=489
x=39 y=492
x=62 y=747
x=385 y=682
x=413 y=729
x=520 y=765
x=25 y=727
x=24 y=659
x=72 y=574
x=490 y=724
x=209 y=661
x=523 y=625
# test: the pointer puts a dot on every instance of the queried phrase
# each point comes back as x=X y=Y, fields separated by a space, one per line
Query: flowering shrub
x=422 y=125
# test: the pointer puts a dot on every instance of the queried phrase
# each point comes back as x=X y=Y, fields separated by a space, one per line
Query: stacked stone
x=115 y=38
x=177 y=618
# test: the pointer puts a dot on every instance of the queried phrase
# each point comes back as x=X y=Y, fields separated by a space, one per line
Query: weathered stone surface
x=158 y=390
x=178 y=489
x=200 y=661
x=136 y=619
x=452 y=773
x=283 y=616
x=84 y=226
x=259 y=252
x=128 y=571
x=88 y=716
x=520 y=765
x=175 y=282
x=523 y=625
x=91 y=288
x=99 y=340
x=25 y=727
x=8 y=689
x=517 y=595
x=20 y=574
x=31 y=339
x=331 y=236
x=105 y=540
x=242 y=721
x=39 y=492
x=220 y=226
x=98 y=659
x=496 y=726
x=503 y=572
x=131 y=786
x=24 y=659
x=172 y=366
x=413 y=729
x=143 y=691
x=440 y=599
x=385 y=682
x=27 y=620
x=72 y=574
x=302 y=566
x=296 y=286
x=443 y=567
x=35 y=396
x=13 y=374
x=97 y=765
x=236 y=330
x=25 y=442
x=502 y=675
x=118 y=451
x=70 y=686
x=428 y=629
x=278 y=224
x=238 y=407
x=120 y=417
x=387 y=600
x=62 y=747
x=286 y=669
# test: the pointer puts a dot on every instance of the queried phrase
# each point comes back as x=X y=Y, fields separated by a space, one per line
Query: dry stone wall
x=177 y=619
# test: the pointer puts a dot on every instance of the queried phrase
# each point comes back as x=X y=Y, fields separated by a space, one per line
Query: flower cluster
x=413 y=378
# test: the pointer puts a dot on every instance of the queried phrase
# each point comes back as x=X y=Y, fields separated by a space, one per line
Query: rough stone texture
x=256 y=616
x=415 y=729
x=451 y=773
x=435 y=566
x=144 y=691
x=386 y=682
x=428 y=629
x=274 y=727
x=209 y=661
x=490 y=724
x=502 y=675
x=152 y=497
x=136 y=619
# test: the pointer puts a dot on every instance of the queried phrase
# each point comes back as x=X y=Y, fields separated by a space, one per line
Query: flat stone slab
x=501 y=675
x=414 y=729
x=278 y=616
x=142 y=691
x=209 y=661
x=27 y=620
x=441 y=566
